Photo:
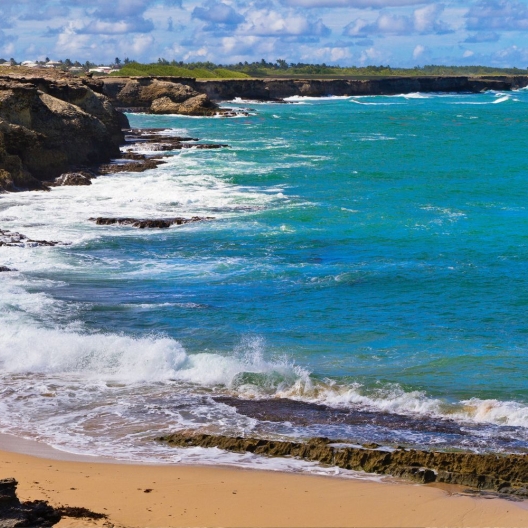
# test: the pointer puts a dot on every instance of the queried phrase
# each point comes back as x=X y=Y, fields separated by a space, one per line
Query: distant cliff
x=51 y=123
x=276 y=89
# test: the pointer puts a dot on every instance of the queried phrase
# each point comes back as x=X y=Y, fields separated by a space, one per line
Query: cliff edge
x=50 y=124
x=144 y=93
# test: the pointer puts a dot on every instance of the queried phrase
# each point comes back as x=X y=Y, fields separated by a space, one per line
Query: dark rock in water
x=153 y=223
x=8 y=238
x=14 y=513
x=306 y=413
x=137 y=164
x=503 y=473
x=157 y=140
x=5 y=268
x=73 y=178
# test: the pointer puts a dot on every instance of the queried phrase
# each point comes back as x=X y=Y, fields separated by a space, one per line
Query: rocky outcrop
x=507 y=474
x=72 y=179
x=159 y=96
x=150 y=223
x=130 y=92
x=12 y=239
x=50 y=125
x=14 y=513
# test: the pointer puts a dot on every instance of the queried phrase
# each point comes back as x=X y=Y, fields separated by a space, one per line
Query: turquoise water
x=367 y=254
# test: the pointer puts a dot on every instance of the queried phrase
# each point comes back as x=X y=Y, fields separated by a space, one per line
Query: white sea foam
x=357 y=101
x=296 y=98
x=502 y=99
x=414 y=95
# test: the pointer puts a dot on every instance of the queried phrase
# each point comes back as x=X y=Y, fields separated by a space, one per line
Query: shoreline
x=137 y=495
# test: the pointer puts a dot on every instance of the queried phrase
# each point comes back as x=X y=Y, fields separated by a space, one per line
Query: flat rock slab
x=506 y=474
x=150 y=223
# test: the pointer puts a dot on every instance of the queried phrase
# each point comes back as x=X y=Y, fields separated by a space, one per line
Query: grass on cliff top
x=280 y=69
x=134 y=69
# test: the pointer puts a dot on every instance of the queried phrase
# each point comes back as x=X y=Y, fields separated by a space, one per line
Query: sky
x=402 y=33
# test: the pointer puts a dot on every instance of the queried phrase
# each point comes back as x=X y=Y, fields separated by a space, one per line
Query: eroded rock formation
x=51 y=124
x=507 y=474
x=159 y=96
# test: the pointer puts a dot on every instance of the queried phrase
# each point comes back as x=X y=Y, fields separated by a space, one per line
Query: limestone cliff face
x=270 y=89
x=49 y=125
x=144 y=93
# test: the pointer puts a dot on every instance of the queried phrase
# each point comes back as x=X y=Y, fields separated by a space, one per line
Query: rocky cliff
x=50 y=124
x=138 y=92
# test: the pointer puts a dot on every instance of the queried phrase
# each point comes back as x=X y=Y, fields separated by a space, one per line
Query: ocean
x=364 y=278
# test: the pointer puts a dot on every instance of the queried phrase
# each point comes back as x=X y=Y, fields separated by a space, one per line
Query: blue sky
x=346 y=32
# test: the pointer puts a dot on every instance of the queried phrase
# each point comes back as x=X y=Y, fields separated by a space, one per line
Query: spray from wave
x=245 y=373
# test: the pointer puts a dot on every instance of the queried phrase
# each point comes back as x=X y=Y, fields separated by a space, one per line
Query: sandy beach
x=171 y=496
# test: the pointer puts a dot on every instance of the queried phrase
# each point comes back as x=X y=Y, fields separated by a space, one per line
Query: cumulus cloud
x=217 y=14
x=273 y=23
x=424 y=20
x=477 y=38
x=511 y=56
x=122 y=27
x=502 y=15
x=418 y=51
x=351 y=3
x=372 y=56
x=327 y=54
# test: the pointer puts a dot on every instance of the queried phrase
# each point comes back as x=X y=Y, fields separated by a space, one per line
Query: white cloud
x=351 y=3
x=419 y=50
x=142 y=44
x=424 y=20
x=273 y=23
x=503 y=15
x=327 y=54
x=371 y=56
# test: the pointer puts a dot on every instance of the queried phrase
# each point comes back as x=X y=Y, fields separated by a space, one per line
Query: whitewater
x=366 y=259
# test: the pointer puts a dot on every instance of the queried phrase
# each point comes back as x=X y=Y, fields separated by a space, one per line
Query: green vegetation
x=161 y=69
x=280 y=68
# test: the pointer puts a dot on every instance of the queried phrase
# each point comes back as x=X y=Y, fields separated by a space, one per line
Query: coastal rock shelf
x=506 y=474
x=152 y=223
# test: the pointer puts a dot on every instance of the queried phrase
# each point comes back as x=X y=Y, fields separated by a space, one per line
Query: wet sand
x=170 y=496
